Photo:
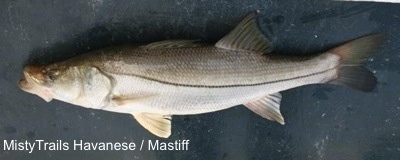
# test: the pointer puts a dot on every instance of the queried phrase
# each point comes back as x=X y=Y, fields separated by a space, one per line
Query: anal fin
x=158 y=124
x=267 y=107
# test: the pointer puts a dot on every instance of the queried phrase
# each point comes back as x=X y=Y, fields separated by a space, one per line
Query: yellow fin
x=159 y=125
x=246 y=36
x=268 y=107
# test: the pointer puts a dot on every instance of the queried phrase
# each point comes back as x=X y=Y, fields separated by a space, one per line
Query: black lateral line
x=228 y=86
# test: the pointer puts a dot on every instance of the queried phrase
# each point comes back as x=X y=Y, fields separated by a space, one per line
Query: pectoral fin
x=130 y=101
x=159 y=125
x=267 y=107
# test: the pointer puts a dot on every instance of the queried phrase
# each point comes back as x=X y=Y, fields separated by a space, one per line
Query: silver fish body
x=204 y=79
x=183 y=77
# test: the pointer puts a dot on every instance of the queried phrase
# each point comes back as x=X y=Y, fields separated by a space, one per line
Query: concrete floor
x=322 y=122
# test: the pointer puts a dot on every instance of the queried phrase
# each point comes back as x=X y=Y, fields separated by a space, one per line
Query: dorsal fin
x=246 y=36
x=183 y=43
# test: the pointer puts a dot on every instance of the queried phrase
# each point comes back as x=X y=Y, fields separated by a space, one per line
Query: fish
x=155 y=81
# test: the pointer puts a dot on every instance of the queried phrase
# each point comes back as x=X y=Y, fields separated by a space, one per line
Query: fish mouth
x=32 y=74
x=32 y=82
x=27 y=82
x=24 y=84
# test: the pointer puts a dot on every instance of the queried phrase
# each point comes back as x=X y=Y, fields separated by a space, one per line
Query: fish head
x=51 y=82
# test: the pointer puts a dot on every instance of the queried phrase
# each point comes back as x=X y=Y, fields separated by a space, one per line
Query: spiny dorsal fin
x=246 y=36
x=267 y=107
x=159 y=125
x=174 y=44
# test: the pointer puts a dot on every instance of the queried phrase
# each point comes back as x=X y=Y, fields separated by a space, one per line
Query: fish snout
x=25 y=83
x=34 y=73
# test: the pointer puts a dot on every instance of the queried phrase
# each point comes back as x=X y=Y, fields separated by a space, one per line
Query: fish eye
x=52 y=74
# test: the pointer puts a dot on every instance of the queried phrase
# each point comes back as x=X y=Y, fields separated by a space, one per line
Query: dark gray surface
x=322 y=122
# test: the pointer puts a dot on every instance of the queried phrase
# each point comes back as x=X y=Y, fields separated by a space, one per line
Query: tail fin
x=351 y=72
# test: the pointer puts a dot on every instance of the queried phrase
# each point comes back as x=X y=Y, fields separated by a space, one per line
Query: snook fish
x=184 y=77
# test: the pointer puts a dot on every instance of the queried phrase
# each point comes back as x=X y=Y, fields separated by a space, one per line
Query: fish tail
x=351 y=73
